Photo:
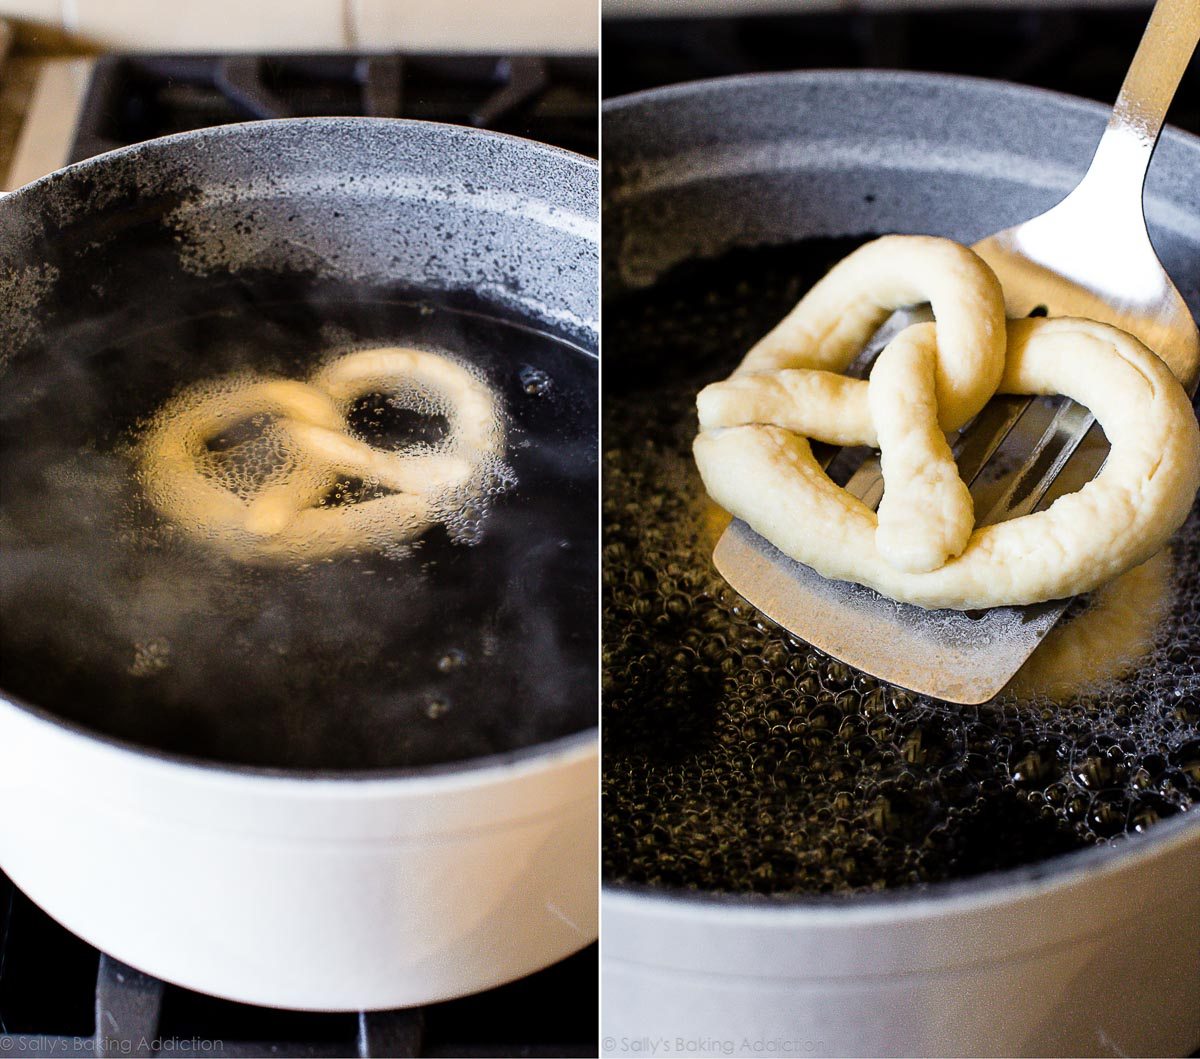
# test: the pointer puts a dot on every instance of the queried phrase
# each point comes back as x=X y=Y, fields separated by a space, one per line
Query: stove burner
x=134 y=98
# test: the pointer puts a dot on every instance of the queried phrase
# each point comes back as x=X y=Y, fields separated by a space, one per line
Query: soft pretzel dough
x=835 y=319
x=756 y=461
x=285 y=516
x=174 y=453
x=925 y=378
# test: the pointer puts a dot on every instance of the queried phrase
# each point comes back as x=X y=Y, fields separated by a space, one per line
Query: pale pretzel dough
x=285 y=513
x=925 y=378
x=755 y=460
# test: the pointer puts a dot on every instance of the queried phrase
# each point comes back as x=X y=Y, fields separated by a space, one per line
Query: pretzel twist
x=286 y=513
x=922 y=546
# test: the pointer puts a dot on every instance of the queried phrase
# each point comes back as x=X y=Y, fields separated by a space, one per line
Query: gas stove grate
x=137 y=97
x=60 y=997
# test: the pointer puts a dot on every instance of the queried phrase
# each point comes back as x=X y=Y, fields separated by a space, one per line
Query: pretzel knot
x=923 y=547
x=266 y=493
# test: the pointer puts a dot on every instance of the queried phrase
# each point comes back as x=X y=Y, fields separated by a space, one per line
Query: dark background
x=1080 y=50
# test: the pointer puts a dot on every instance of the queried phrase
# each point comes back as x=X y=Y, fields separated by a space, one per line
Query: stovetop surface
x=137 y=97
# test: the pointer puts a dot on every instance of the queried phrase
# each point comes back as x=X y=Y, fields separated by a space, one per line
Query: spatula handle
x=1141 y=108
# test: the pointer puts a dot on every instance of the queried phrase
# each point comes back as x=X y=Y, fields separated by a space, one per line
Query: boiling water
x=477 y=637
x=739 y=759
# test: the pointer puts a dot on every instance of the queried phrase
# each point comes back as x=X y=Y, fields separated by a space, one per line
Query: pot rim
x=924 y=901
x=682 y=89
x=935 y=899
x=263 y=126
x=560 y=751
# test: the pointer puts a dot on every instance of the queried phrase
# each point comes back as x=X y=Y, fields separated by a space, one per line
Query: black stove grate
x=137 y=97
x=60 y=997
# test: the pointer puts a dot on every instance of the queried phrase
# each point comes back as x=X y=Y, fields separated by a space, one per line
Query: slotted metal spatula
x=1089 y=256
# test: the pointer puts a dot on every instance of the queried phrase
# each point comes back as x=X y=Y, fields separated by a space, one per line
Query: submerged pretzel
x=286 y=516
x=755 y=459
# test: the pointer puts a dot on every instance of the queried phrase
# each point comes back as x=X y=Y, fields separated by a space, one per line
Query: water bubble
x=535 y=382
x=150 y=657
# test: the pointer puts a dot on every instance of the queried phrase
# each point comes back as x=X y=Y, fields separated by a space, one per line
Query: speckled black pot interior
x=696 y=169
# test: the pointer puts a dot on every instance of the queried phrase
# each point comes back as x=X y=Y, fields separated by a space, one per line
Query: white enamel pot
x=337 y=891
x=1095 y=953
x=314 y=892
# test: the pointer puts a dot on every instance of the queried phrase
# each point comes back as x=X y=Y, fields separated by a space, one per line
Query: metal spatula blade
x=943 y=653
x=1089 y=256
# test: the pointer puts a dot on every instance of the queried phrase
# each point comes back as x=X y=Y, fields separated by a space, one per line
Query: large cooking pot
x=304 y=888
x=1092 y=952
